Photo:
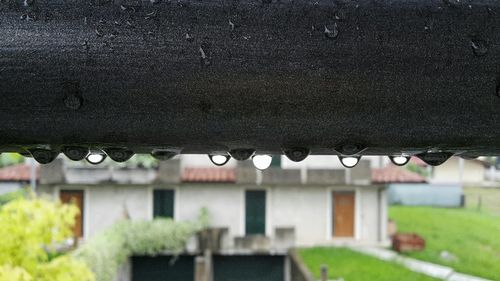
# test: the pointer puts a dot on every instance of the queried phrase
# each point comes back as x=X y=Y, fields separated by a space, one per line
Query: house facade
x=281 y=207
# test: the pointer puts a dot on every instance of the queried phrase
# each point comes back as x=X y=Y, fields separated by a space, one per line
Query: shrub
x=108 y=250
x=29 y=229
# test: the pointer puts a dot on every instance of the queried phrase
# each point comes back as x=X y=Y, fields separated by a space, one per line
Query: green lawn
x=352 y=266
x=472 y=237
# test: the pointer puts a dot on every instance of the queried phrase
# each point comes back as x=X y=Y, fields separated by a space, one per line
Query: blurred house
x=458 y=170
x=15 y=177
x=297 y=205
x=412 y=189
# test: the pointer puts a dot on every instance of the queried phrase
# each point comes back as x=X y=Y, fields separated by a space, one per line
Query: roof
x=394 y=174
x=207 y=175
x=417 y=161
x=16 y=173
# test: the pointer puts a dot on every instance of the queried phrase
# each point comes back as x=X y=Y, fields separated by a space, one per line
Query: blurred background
x=186 y=219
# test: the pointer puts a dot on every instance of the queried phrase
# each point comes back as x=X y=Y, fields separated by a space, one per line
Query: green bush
x=107 y=251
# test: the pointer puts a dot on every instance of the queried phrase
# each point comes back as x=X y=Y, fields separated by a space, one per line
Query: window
x=255 y=212
x=163 y=203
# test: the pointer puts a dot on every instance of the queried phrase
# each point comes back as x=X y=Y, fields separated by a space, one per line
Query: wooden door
x=343 y=214
x=74 y=197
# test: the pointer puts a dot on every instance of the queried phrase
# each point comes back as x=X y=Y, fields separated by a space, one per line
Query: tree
x=31 y=231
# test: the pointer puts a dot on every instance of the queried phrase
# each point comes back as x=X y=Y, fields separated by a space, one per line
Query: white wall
x=449 y=172
x=224 y=204
x=307 y=209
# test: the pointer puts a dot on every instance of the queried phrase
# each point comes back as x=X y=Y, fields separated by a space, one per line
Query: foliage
x=108 y=250
x=417 y=169
x=7 y=159
x=7 y=197
x=10 y=273
x=472 y=238
x=29 y=229
x=349 y=265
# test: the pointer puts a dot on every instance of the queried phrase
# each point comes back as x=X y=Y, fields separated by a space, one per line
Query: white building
x=296 y=206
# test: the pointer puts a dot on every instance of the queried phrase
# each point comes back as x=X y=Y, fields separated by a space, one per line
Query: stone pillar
x=53 y=173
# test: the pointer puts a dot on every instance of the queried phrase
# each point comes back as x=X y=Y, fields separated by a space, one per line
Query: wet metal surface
x=206 y=76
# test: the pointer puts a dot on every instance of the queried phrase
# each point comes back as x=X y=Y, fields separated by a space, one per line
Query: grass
x=472 y=237
x=352 y=266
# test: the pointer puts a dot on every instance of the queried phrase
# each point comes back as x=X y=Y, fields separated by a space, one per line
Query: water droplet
x=203 y=56
x=479 y=47
x=189 y=38
x=434 y=158
x=468 y=156
x=400 y=160
x=262 y=162
x=219 y=160
x=241 y=154
x=331 y=34
x=349 y=161
x=43 y=156
x=163 y=154
x=75 y=153
x=123 y=8
x=119 y=154
x=297 y=154
x=96 y=157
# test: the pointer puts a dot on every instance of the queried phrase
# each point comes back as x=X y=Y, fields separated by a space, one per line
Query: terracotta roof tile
x=207 y=175
x=417 y=161
x=394 y=174
x=19 y=172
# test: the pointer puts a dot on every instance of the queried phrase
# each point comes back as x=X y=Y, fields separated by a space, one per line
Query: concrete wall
x=306 y=209
x=6 y=187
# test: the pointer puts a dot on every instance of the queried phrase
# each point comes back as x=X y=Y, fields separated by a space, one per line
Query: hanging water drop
x=75 y=153
x=119 y=154
x=434 y=158
x=163 y=154
x=400 y=160
x=43 y=156
x=349 y=161
x=241 y=154
x=262 y=162
x=96 y=157
x=297 y=154
x=219 y=159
